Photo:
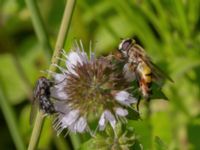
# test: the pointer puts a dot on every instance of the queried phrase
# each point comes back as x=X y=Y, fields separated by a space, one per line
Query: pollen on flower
x=84 y=92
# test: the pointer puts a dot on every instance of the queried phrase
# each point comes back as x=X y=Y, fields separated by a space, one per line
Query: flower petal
x=70 y=118
x=73 y=58
x=121 y=112
x=110 y=117
x=59 y=94
x=81 y=124
x=106 y=116
x=58 y=77
x=122 y=95
x=102 y=122
x=125 y=98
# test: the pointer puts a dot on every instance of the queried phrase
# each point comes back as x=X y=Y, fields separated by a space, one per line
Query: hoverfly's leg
x=60 y=82
x=138 y=79
x=138 y=84
x=138 y=103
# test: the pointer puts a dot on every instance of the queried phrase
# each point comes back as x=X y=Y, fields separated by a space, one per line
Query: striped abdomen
x=145 y=79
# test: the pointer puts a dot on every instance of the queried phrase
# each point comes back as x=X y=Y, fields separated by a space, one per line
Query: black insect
x=41 y=97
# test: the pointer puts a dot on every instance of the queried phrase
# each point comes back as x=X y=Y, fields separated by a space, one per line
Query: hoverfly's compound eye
x=123 y=46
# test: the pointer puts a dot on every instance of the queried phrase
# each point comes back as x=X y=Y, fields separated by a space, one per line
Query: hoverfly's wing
x=142 y=53
x=158 y=75
x=34 y=105
x=133 y=114
x=157 y=92
x=34 y=109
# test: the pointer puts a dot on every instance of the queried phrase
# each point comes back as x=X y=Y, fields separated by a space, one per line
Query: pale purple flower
x=125 y=98
x=107 y=116
x=89 y=88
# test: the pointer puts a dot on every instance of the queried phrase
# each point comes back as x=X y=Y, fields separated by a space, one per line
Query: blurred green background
x=168 y=29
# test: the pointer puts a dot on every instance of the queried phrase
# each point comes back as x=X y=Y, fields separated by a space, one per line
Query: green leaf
x=10 y=78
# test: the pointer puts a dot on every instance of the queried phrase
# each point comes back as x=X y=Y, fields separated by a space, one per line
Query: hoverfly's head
x=125 y=45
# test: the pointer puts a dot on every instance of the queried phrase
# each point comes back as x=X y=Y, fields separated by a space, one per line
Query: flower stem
x=75 y=140
x=11 y=121
x=65 y=24
x=62 y=35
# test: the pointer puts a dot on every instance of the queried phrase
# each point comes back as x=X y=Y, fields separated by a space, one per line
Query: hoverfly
x=140 y=67
x=41 y=96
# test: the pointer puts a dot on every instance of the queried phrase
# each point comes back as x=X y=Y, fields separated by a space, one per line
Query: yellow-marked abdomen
x=145 y=78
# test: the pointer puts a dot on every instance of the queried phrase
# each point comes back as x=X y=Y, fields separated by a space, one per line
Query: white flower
x=72 y=121
x=59 y=93
x=83 y=91
x=125 y=98
x=121 y=112
x=69 y=118
x=106 y=116
x=79 y=126
x=59 y=78
x=73 y=59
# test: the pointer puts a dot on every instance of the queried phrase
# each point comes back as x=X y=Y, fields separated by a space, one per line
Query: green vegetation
x=168 y=30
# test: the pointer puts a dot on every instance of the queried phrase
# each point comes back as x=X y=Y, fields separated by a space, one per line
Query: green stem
x=75 y=140
x=11 y=121
x=59 y=45
x=64 y=28
x=39 y=121
x=39 y=27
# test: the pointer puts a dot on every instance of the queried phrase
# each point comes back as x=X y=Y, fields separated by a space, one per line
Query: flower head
x=87 y=89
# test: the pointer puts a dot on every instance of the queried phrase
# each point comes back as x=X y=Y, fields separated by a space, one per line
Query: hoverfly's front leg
x=138 y=79
x=138 y=103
